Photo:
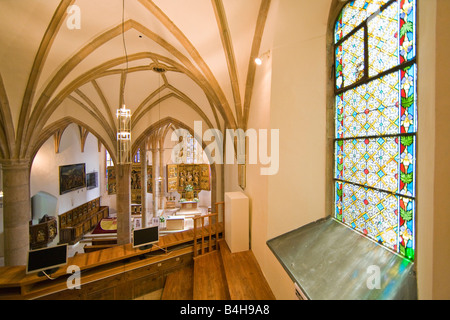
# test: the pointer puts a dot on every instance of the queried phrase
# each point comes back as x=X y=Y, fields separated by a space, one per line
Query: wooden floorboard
x=179 y=285
x=209 y=278
x=245 y=279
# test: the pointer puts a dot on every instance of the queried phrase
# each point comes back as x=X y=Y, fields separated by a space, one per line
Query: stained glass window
x=190 y=152
x=376 y=121
x=137 y=156
x=109 y=162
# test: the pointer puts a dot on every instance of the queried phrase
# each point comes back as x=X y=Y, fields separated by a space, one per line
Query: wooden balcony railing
x=202 y=230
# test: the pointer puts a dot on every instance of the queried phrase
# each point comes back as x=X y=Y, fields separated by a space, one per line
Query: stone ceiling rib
x=7 y=132
x=38 y=64
x=210 y=69
x=161 y=16
x=92 y=113
x=89 y=76
x=256 y=45
x=105 y=104
x=82 y=54
x=185 y=66
x=63 y=72
x=60 y=124
x=230 y=56
x=102 y=120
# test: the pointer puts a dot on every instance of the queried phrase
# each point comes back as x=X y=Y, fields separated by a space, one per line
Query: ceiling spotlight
x=259 y=60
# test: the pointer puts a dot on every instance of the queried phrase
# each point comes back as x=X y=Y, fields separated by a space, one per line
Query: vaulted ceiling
x=65 y=61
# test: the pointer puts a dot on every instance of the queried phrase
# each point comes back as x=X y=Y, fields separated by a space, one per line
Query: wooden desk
x=120 y=272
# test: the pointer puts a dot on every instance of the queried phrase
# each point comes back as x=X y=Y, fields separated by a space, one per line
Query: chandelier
x=123 y=135
x=123 y=114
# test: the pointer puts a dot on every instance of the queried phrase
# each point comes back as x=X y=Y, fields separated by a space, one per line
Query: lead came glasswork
x=407 y=30
x=371 y=162
x=350 y=60
x=372 y=109
x=355 y=13
x=376 y=121
x=383 y=40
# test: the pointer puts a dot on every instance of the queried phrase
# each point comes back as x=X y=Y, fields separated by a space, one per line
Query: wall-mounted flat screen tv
x=72 y=177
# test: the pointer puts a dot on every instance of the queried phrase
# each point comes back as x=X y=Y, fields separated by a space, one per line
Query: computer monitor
x=46 y=260
x=145 y=238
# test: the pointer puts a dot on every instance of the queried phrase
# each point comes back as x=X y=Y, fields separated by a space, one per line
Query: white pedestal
x=237 y=221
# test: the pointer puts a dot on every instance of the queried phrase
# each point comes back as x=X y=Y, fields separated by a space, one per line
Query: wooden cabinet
x=43 y=233
x=127 y=278
x=74 y=224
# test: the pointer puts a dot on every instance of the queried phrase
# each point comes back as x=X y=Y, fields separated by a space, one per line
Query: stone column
x=154 y=181
x=16 y=211
x=123 y=203
x=161 y=173
x=144 y=184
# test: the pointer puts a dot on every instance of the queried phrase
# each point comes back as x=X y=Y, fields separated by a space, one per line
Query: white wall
x=296 y=195
x=298 y=110
x=45 y=168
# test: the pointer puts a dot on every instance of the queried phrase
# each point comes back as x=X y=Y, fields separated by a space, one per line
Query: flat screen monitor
x=46 y=260
x=144 y=238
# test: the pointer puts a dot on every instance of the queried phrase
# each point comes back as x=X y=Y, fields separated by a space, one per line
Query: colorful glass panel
x=407 y=30
x=373 y=108
x=340 y=116
x=354 y=13
x=371 y=162
x=408 y=110
x=406 y=245
x=350 y=60
x=383 y=32
x=384 y=217
x=384 y=163
x=376 y=121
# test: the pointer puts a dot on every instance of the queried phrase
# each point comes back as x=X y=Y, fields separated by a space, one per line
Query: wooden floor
x=244 y=276
x=219 y=275
x=210 y=282
x=179 y=285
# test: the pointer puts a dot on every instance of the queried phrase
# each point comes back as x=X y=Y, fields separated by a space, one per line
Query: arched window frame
x=405 y=200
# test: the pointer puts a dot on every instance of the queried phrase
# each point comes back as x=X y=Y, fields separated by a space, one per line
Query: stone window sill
x=329 y=261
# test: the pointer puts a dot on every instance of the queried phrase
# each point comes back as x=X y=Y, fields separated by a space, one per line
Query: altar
x=188 y=205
